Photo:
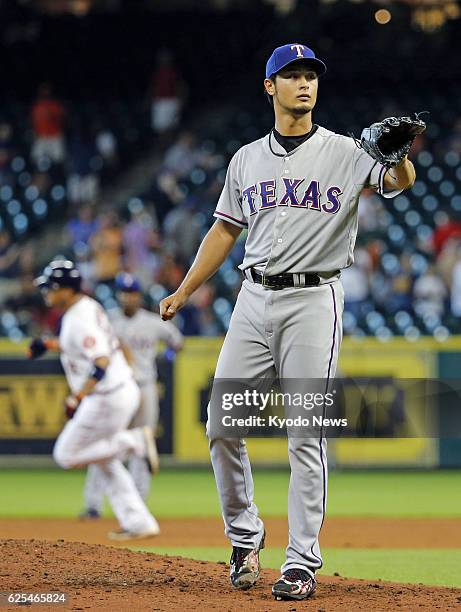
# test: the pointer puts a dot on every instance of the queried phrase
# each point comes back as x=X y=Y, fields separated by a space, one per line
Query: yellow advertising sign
x=397 y=359
x=366 y=358
x=31 y=406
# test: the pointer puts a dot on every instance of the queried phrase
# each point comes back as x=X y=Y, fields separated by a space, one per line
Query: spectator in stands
x=182 y=157
x=168 y=186
x=81 y=228
x=25 y=275
x=380 y=289
x=186 y=154
x=455 y=296
x=369 y=208
x=170 y=272
x=9 y=255
x=86 y=266
x=448 y=258
x=183 y=229
x=107 y=147
x=202 y=300
x=6 y=152
x=356 y=283
x=208 y=324
x=48 y=117
x=210 y=196
x=167 y=93
x=140 y=241
x=83 y=180
x=429 y=293
x=165 y=193
x=450 y=229
x=401 y=287
x=23 y=302
x=376 y=249
x=189 y=321
x=9 y=266
x=106 y=245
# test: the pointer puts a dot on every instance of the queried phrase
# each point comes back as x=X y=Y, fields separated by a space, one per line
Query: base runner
x=104 y=398
x=139 y=332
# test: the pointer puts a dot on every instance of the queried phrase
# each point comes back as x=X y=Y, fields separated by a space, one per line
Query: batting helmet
x=59 y=273
x=127 y=282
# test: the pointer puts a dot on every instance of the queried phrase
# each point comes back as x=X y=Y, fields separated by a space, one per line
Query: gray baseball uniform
x=300 y=209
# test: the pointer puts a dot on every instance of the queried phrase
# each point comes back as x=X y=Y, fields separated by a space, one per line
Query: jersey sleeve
x=229 y=207
x=370 y=173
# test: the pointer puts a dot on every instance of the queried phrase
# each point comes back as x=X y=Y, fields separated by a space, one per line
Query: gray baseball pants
x=292 y=333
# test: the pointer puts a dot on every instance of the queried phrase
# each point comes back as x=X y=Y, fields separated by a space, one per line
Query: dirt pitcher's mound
x=105 y=578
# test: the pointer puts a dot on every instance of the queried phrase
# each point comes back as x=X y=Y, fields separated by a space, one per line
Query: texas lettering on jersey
x=317 y=187
x=262 y=196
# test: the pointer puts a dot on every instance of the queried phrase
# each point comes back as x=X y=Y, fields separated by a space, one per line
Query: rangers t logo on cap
x=299 y=49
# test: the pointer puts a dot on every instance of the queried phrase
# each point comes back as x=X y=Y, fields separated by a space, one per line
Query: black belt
x=282 y=281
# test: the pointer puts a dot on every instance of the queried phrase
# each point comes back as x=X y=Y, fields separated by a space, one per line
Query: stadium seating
x=405 y=228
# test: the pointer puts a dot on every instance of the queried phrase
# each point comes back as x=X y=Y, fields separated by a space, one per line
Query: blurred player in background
x=139 y=332
x=104 y=397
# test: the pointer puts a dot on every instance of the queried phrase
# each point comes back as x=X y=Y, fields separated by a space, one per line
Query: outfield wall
x=32 y=394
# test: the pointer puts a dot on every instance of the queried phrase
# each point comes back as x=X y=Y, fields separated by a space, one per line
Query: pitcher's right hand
x=171 y=304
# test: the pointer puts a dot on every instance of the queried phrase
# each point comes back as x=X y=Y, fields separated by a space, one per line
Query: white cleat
x=122 y=535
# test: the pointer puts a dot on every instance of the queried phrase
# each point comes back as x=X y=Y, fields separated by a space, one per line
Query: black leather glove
x=390 y=140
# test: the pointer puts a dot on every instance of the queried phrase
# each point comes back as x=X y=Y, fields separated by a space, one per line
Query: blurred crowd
x=406 y=279
x=155 y=236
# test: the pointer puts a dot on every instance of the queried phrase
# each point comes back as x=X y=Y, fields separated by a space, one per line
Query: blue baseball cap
x=127 y=282
x=282 y=56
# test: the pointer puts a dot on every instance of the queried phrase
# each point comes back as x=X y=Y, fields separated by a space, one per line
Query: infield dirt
x=97 y=577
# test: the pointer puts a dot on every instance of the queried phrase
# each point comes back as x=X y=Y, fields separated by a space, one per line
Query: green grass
x=433 y=567
x=189 y=493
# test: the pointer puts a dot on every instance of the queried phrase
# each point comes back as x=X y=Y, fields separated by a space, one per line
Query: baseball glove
x=389 y=140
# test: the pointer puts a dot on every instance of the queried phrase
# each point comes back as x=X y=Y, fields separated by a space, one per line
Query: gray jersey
x=141 y=334
x=300 y=208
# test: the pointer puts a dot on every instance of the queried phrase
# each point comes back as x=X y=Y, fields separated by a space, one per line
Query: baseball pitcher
x=296 y=192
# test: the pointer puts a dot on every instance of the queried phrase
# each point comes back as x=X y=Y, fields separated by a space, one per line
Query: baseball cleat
x=245 y=566
x=294 y=584
x=151 y=449
x=89 y=513
x=121 y=535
